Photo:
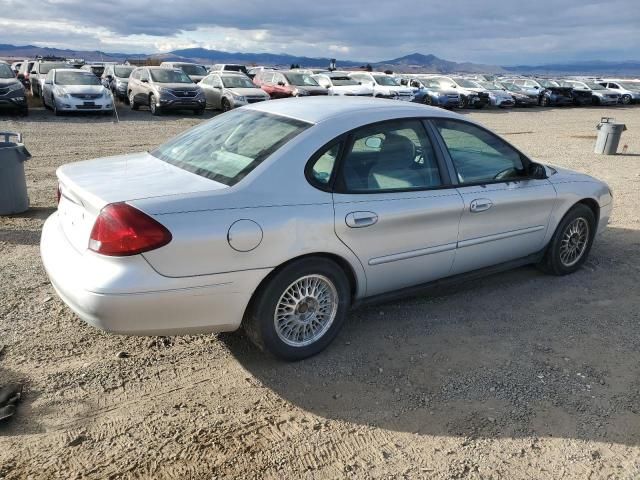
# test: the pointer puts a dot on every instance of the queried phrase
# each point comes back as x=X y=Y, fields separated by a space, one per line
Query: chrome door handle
x=480 y=205
x=361 y=219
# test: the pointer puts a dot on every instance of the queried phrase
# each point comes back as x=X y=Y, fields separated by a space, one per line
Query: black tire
x=552 y=262
x=132 y=102
x=464 y=101
x=626 y=99
x=595 y=101
x=24 y=112
x=428 y=100
x=199 y=111
x=545 y=102
x=259 y=322
x=34 y=91
x=155 y=109
x=225 y=106
x=54 y=107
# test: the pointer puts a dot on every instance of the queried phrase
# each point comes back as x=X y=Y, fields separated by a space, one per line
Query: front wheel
x=225 y=105
x=155 y=109
x=626 y=99
x=132 y=101
x=571 y=242
x=300 y=310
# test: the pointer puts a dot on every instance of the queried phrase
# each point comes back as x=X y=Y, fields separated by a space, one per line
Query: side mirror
x=144 y=80
x=281 y=84
x=536 y=87
x=537 y=171
x=109 y=77
x=48 y=82
x=33 y=72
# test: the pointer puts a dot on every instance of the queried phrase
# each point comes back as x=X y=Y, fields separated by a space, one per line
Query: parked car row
x=195 y=87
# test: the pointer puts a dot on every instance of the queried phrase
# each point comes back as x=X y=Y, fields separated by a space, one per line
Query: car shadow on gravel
x=517 y=354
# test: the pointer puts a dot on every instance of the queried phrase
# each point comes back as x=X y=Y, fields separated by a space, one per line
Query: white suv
x=342 y=84
x=384 y=86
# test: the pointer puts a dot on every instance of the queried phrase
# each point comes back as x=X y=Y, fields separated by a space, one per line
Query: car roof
x=84 y=72
x=319 y=109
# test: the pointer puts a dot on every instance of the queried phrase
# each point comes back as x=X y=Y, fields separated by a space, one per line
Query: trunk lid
x=86 y=187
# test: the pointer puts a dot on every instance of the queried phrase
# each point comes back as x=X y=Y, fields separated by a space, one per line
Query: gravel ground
x=519 y=375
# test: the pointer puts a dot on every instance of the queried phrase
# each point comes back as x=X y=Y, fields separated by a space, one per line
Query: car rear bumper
x=126 y=295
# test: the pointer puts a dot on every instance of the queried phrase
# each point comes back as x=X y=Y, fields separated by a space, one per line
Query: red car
x=288 y=83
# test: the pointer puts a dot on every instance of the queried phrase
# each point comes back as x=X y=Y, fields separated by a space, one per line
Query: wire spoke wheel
x=306 y=310
x=573 y=244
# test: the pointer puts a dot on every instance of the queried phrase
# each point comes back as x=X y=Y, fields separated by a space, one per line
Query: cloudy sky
x=490 y=31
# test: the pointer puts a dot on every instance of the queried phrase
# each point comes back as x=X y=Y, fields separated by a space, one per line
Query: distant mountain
x=415 y=62
x=591 y=67
x=31 y=51
x=430 y=63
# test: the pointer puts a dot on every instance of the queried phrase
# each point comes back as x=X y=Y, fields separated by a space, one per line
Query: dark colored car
x=287 y=83
x=12 y=92
x=554 y=95
x=520 y=96
x=164 y=89
x=116 y=79
x=434 y=94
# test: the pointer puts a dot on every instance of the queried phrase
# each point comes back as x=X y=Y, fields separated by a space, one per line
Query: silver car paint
x=419 y=236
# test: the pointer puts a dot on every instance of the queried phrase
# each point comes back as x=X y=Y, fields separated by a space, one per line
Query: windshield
x=301 y=79
x=429 y=83
x=45 y=67
x=5 y=71
x=194 y=70
x=76 y=78
x=237 y=81
x=490 y=86
x=123 y=72
x=164 y=75
x=595 y=86
x=386 y=80
x=342 y=81
x=548 y=83
x=630 y=85
x=230 y=146
x=463 y=82
x=511 y=87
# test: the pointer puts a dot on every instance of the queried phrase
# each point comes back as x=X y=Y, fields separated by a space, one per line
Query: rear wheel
x=626 y=99
x=428 y=100
x=571 y=242
x=300 y=310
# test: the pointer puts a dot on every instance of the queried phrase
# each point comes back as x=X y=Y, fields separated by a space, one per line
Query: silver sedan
x=282 y=215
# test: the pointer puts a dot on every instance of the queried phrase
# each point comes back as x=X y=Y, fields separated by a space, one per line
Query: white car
x=599 y=94
x=280 y=215
x=73 y=90
x=384 y=86
x=629 y=90
x=342 y=84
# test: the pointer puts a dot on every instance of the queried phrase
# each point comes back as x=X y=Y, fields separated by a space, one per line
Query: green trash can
x=13 y=184
x=609 y=133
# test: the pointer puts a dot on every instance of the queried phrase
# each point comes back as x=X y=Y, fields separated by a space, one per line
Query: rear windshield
x=343 y=81
x=230 y=146
x=123 y=72
x=235 y=68
x=301 y=79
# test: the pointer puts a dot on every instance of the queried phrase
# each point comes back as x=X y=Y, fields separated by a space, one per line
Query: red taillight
x=122 y=230
x=58 y=194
